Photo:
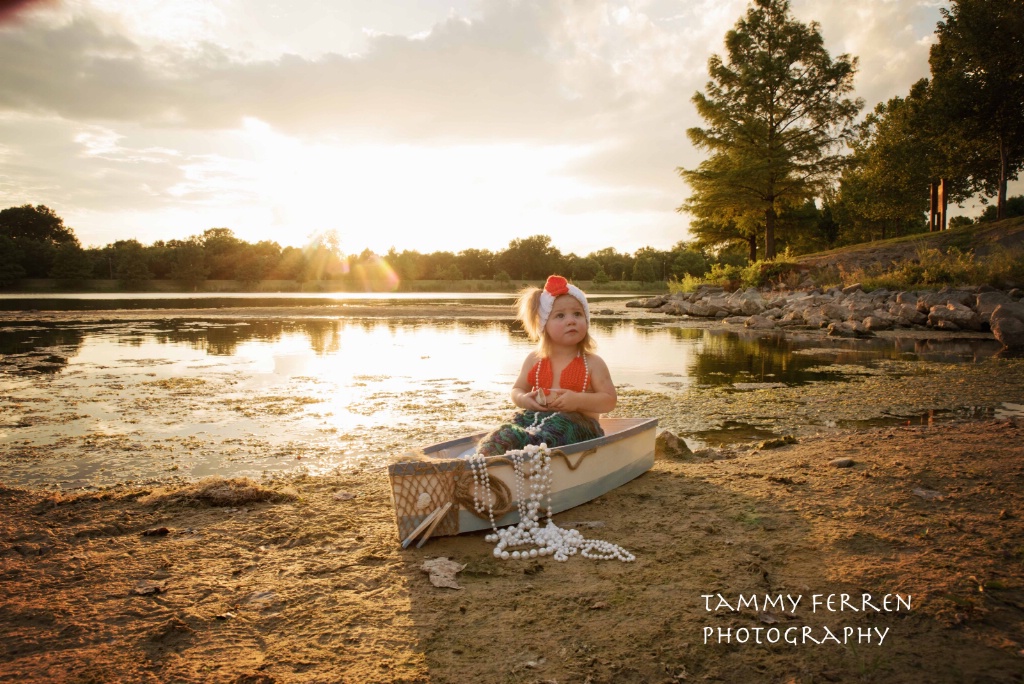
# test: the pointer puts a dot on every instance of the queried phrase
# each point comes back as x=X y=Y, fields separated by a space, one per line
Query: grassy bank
x=990 y=254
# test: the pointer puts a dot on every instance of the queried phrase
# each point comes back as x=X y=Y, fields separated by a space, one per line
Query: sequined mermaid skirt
x=552 y=428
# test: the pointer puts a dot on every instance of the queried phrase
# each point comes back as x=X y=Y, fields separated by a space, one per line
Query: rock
x=442 y=572
x=815 y=320
x=848 y=329
x=751 y=302
x=961 y=297
x=759 y=323
x=634 y=304
x=606 y=312
x=667 y=445
x=877 y=323
x=858 y=311
x=850 y=289
x=790 y=319
x=906 y=315
x=841 y=462
x=653 y=302
x=962 y=317
x=928 y=300
x=735 y=320
x=676 y=308
x=986 y=303
x=156 y=532
x=908 y=298
x=1007 y=324
x=702 y=309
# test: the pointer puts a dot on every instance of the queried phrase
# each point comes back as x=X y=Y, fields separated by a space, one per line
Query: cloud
x=464 y=79
x=104 y=107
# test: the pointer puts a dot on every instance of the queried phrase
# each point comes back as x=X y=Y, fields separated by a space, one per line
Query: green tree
x=978 y=88
x=37 y=231
x=643 y=270
x=222 y=251
x=776 y=114
x=188 y=262
x=408 y=265
x=584 y=268
x=476 y=263
x=450 y=272
x=894 y=160
x=11 y=270
x=611 y=262
x=256 y=261
x=130 y=263
x=658 y=261
x=529 y=258
x=38 y=223
x=1014 y=207
x=291 y=265
x=686 y=260
x=71 y=263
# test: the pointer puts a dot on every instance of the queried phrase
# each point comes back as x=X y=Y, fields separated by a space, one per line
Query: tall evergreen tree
x=776 y=114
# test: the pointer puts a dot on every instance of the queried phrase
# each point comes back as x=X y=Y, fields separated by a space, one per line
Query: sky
x=426 y=125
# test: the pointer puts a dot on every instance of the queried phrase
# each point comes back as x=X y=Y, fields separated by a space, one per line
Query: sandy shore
x=315 y=588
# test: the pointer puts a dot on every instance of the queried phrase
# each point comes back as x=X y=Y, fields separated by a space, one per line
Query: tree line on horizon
x=789 y=165
x=35 y=243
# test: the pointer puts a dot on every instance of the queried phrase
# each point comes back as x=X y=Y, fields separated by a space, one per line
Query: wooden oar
x=422 y=526
x=430 y=530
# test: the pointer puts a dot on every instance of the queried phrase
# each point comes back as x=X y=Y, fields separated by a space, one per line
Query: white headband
x=555 y=287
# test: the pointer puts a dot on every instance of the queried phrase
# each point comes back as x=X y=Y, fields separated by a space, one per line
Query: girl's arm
x=601 y=400
x=522 y=394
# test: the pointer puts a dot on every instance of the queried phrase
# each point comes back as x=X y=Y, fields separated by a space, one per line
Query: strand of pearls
x=534 y=427
x=532 y=466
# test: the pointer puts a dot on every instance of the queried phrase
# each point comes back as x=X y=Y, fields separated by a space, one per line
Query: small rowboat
x=440 y=474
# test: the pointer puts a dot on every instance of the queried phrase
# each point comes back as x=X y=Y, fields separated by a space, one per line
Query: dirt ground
x=314 y=587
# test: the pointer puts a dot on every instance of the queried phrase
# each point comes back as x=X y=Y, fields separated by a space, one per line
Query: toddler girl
x=563 y=386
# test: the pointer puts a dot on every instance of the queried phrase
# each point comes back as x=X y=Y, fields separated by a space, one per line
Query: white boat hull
x=580 y=473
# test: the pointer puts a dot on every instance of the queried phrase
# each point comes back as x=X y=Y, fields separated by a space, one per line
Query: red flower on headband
x=556 y=285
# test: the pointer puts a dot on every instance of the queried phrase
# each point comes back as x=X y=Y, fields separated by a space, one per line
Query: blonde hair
x=528 y=313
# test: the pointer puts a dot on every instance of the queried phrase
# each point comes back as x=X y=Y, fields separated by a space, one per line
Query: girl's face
x=567 y=324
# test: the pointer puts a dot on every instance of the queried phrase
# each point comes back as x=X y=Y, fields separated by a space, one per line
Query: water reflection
x=87 y=403
x=641 y=354
x=37 y=349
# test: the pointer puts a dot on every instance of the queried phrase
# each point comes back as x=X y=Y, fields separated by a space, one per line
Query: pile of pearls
x=528 y=539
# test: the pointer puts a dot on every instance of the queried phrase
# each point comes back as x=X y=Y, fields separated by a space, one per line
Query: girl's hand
x=563 y=400
x=528 y=401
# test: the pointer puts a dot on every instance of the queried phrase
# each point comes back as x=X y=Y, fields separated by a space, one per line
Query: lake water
x=98 y=402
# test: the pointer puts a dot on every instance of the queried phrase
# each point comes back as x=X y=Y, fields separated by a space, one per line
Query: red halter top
x=575 y=377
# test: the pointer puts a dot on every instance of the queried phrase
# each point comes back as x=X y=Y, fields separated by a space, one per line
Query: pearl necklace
x=549 y=540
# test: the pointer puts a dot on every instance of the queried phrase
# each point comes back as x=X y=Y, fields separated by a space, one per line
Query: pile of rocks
x=852 y=312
